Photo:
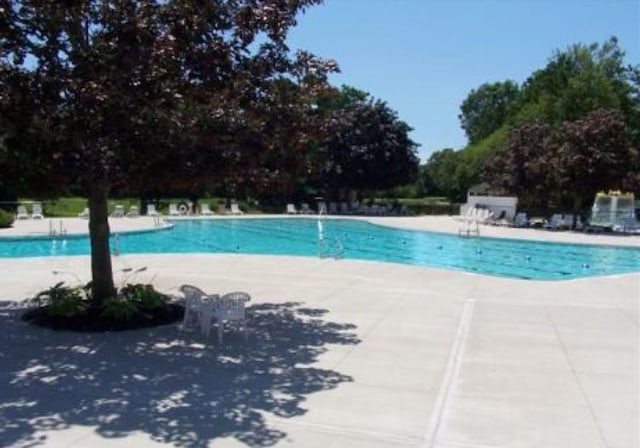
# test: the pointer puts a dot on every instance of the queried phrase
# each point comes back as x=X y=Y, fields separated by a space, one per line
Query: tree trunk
x=101 y=273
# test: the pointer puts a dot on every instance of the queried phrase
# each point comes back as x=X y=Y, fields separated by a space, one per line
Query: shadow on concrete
x=163 y=382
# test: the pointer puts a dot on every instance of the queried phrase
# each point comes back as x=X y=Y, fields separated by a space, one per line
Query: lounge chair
x=344 y=208
x=118 y=211
x=235 y=209
x=205 y=210
x=291 y=210
x=21 y=213
x=304 y=209
x=36 y=211
x=222 y=209
x=228 y=308
x=173 y=210
x=133 y=212
x=84 y=214
x=333 y=208
x=555 y=222
x=521 y=220
x=151 y=210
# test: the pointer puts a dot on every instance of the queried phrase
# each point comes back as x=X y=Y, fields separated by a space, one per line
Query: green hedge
x=6 y=219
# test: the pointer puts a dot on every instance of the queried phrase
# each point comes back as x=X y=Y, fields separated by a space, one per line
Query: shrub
x=143 y=296
x=119 y=308
x=63 y=300
x=6 y=219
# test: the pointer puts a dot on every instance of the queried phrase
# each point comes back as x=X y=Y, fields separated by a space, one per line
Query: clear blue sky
x=424 y=56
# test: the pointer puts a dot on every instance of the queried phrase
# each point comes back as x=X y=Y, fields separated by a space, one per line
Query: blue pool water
x=356 y=240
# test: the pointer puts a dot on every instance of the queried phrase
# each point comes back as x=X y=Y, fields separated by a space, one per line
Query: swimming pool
x=355 y=240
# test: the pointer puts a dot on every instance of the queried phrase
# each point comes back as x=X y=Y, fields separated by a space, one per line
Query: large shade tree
x=99 y=94
x=486 y=108
x=371 y=149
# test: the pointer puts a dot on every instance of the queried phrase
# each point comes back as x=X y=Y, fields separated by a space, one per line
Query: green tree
x=594 y=155
x=525 y=167
x=486 y=108
x=371 y=149
x=110 y=94
x=443 y=171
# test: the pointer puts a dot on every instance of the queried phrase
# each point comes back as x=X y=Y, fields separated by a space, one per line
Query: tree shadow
x=163 y=382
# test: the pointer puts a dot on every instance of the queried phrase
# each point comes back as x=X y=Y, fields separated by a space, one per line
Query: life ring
x=183 y=208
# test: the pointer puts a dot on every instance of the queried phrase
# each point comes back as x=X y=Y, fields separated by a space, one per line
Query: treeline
x=570 y=130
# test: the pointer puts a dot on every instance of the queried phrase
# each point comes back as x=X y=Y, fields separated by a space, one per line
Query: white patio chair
x=36 y=211
x=291 y=209
x=118 y=211
x=222 y=209
x=521 y=220
x=173 y=210
x=555 y=222
x=235 y=209
x=205 y=210
x=228 y=308
x=133 y=212
x=192 y=305
x=151 y=210
x=21 y=213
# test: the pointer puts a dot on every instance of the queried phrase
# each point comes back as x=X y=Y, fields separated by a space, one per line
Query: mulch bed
x=93 y=321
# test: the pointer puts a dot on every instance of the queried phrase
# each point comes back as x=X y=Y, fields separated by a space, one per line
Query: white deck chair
x=118 y=211
x=291 y=209
x=228 y=308
x=84 y=214
x=235 y=209
x=151 y=210
x=192 y=306
x=304 y=209
x=205 y=210
x=173 y=210
x=555 y=222
x=36 y=211
x=21 y=213
x=521 y=220
x=133 y=212
x=222 y=209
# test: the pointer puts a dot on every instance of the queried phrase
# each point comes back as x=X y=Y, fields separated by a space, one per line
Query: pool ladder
x=327 y=247
x=471 y=228
x=61 y=230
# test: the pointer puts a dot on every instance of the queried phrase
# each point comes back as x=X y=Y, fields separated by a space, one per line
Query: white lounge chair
x=205 y=210
x=222 y=209
x=521 y=220
x=304 y=209
x=118 y=211
x=21 y=213
x=228 y=308
x=235 y=209
x=36 y=211
x=133 y=212
x=84 y=214
x=555 y=222
x=291 y=209
x=151 y=210
x=173 y=210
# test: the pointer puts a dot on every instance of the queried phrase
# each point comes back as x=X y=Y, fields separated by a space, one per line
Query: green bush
x=143 y=297
x=63 y=300
x=6 y=219
x=119 y=308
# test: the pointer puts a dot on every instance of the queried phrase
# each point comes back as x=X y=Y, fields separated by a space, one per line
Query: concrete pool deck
x=341 y=354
